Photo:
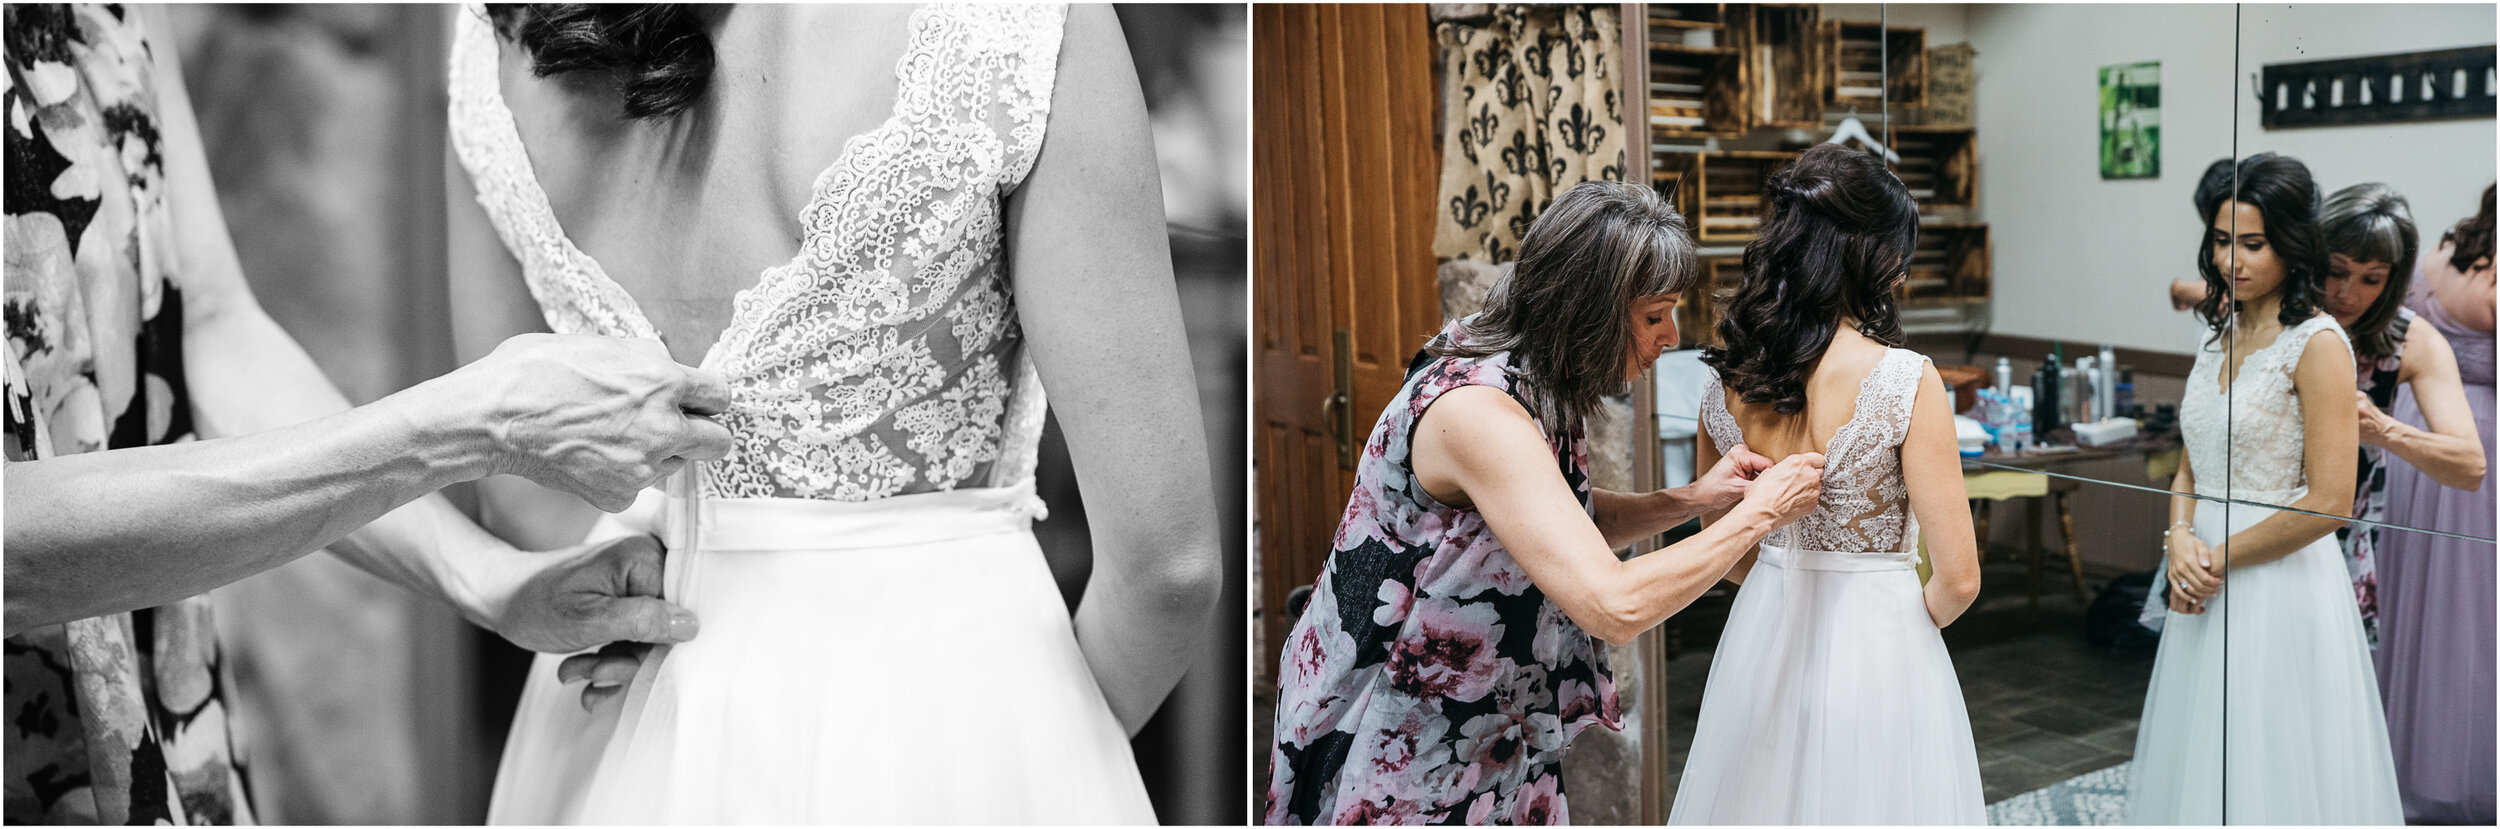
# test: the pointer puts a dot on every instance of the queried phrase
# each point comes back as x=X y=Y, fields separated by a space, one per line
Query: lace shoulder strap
x=1895 y=389
x=574 y=294
x=1028 y=70
x=1714 y=414
x=2284 y=354
x=1882 y=417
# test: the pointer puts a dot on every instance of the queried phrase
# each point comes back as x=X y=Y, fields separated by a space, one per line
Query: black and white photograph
x=560 y=413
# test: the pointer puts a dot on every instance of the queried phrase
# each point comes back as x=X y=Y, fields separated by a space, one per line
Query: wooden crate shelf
x=1696 y=82
x=1950 y=265
x=1940 y=164
x=1727 y=194
x=1785 y=72
x=1856 y=52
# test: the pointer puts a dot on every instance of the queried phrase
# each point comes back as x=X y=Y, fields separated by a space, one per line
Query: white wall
x=2082 y=259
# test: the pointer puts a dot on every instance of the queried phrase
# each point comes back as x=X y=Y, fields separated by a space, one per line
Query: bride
x=889 y=228
x=1831 y=698
x=2263 y=706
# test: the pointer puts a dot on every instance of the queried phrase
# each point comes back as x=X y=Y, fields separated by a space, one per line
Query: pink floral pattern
x=1429 y=681
x=2376 y=376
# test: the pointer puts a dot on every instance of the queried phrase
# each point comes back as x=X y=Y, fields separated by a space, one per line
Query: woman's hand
x=2194 y=575
x=598 y=417
x=573 y=599
x=2377 y=427
x=1789 y=490
x=1726 y=482
x=606 y=672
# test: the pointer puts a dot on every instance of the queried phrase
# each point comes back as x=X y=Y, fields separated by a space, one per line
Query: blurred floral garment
x=121 y=718
x=2379 y=377
x=1429 y=681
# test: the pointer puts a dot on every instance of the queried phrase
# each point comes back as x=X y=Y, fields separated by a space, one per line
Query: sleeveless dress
x=1429 y=681
x=117 y=719
x=2263 y=708
x=2380 y=378
x=877 y=504
x=2435 y=607
x=1831 y=698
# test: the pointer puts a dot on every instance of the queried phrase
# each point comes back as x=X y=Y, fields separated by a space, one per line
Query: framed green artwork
x=2131 y=120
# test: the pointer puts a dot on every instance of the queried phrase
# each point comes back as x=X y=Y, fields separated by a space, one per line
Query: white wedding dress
x=2264 y=709
x=882 y=640
x=1831 y=698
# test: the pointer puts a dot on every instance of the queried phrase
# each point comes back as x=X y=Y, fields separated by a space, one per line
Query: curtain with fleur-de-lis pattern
x=1532 y=108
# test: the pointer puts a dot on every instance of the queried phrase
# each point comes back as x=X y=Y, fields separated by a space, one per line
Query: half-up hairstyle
x=658 y=53
x=1835 y=241
x=2371 y=222
x=1565 y=311
x=2280 y=188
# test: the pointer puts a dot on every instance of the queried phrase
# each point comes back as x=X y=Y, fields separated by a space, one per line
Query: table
x=1987 y=485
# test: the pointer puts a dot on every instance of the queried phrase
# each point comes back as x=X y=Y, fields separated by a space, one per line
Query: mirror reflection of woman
x=2262 y=706
x=1831 y=698
x=2369 y=237
x=1447 y=657
x=2436 y=593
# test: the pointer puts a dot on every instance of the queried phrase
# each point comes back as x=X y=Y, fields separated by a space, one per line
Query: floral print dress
x=1429 y=681
x=121 y=718
x=2378 y=378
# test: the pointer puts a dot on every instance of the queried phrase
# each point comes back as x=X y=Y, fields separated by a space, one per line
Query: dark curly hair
x=2280 y=188
x=659 y=53
x=2371 y=222
x=1835 y=241
x=1565 y=311
x=2472 y=236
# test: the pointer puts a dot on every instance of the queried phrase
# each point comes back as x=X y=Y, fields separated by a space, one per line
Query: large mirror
x=2053 y=152
x=2359 y=678
x=2059 y=155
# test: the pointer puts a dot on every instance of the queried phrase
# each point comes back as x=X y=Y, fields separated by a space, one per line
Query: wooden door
x=1344 y=170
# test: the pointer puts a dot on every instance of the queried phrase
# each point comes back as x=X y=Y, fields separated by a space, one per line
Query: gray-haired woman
x=1445 y=661
x=2371 y=245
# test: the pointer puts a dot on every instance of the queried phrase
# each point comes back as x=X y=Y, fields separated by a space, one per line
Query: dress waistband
x=1835 y=561
x=2276 y=497
x=767 y=524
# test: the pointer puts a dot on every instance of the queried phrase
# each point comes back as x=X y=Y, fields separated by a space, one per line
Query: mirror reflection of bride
x=2263 y=707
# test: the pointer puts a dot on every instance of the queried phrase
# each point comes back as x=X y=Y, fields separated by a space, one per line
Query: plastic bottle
x=2106 y=392
x=2046 y=384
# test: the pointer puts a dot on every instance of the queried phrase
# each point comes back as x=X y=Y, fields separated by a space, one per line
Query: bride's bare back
x=1831 y=401
x=686 y=211
x=1892 y=474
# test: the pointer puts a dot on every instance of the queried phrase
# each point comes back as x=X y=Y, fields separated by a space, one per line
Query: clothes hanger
x=1852 y=129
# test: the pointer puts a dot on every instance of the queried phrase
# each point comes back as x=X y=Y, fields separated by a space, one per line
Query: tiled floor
x=2044 y=704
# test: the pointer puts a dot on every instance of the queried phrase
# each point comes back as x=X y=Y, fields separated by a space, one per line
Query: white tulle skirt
x=1831 y=700
x=2292 y=733
x=906 y=660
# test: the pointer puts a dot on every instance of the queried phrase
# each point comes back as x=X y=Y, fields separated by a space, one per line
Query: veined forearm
x=107 y=532
x=1661 y=583
x=2455 y=461
x=1626 y=518
x=432 y=549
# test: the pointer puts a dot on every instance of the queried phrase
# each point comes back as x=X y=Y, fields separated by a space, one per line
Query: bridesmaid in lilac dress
x=2436 y=593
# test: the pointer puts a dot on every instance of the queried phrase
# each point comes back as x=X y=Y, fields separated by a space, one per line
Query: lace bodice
x=884 y=358
x=1865 y=504
x=2248 y=443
